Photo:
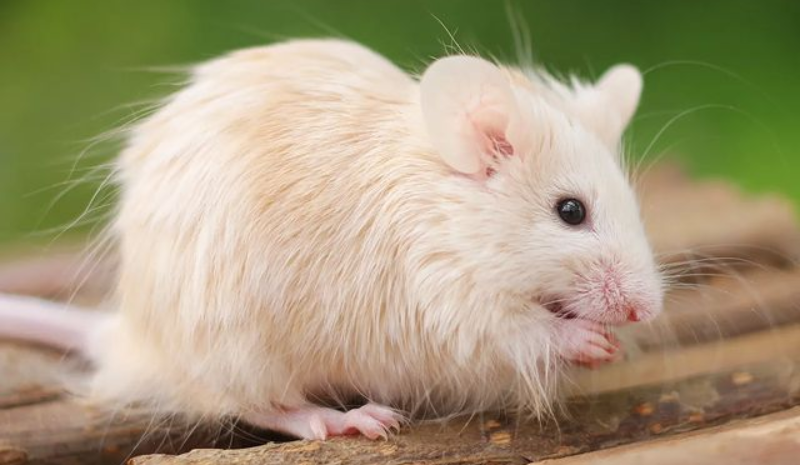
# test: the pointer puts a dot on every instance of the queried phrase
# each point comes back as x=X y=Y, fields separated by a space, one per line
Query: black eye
x=571 y=211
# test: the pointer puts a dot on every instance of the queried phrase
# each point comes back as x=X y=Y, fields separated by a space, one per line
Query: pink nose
x=633 y=315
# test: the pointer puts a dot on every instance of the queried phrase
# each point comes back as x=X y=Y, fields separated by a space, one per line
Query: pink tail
x=49 y=323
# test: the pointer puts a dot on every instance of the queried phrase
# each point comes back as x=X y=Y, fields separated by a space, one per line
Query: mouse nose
x=633 y=312
x=640 y=311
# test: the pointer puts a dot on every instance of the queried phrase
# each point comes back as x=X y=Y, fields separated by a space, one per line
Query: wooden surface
x=771 y=439
x=726 y=352
x=600 y=422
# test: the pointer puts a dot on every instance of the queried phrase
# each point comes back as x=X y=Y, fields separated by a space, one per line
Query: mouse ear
x=608 y=106
x=470 y=113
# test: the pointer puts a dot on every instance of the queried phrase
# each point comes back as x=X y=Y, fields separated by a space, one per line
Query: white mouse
x=305 y=222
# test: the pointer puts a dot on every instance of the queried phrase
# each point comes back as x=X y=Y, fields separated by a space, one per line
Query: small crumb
x=656 y=428
x=500 y=437
x=668 y=398
x=740 y=378
x=696 y=418
x=644 y=409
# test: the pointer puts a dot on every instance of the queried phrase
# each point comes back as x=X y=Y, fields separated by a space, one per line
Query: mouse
x=305 y=222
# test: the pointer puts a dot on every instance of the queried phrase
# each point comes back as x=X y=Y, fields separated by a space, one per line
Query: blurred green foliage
x=720 y=89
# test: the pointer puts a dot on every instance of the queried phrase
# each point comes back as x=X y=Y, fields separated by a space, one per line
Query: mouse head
x=561 y=222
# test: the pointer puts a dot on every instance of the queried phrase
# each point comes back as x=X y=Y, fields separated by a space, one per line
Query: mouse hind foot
x=372 y=420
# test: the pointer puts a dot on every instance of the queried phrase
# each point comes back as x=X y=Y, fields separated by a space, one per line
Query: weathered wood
x=30 y=376
x=65 y=431
x=80 y=441
x=88 y=436
x=772 y=439
x=726 y=305
x=10 y=455
x=655 y=368
x=609 y=420
x=764 y=367
x=67 y=275
x=686 y=218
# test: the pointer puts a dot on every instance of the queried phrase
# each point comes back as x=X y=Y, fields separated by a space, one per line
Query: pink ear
x=470 y=113
x=608 y=106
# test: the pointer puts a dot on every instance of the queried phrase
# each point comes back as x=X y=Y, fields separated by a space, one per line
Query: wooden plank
x=687 y=218
x=656 y=368
x=727 y=305
x=609 y=420
x=70 y=421
x=65 y=431
x=772 y=439
x=66 y=275
x=30 y=376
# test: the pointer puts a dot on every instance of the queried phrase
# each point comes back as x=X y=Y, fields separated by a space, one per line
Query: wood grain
x=606 y=421
x=771 y=439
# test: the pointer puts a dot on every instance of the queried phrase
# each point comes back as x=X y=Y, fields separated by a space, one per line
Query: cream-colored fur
x=287 y=230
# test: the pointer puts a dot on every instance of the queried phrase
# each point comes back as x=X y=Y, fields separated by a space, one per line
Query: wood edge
x=772 y=438
x=658 y=368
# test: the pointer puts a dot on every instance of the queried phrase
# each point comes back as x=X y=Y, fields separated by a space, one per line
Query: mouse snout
x=614 y=293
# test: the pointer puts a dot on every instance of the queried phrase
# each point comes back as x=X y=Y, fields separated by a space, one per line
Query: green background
x=726 y=73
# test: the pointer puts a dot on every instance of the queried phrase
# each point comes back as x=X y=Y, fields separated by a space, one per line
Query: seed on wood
x=696 y=418
x=500 y=437
x=740 y=378
x=644 y=409
x=656 y=428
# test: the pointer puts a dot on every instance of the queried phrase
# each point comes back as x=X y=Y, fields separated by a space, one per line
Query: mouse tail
x=61 y=326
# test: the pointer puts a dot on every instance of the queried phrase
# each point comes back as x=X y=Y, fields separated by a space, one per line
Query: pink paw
x=587 y=343
x=372 y=420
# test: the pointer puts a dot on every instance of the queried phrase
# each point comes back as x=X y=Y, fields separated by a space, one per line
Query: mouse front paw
x=587 y=343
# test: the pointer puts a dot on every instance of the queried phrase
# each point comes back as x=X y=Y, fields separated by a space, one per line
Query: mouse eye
x=571 y=211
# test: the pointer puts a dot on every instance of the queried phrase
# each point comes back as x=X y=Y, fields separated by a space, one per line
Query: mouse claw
x=373 y=421
x=388 y=417
x=319 y=423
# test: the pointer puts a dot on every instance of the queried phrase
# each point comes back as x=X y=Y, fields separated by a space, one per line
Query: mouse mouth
x=556 y=306
x=563 y=309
